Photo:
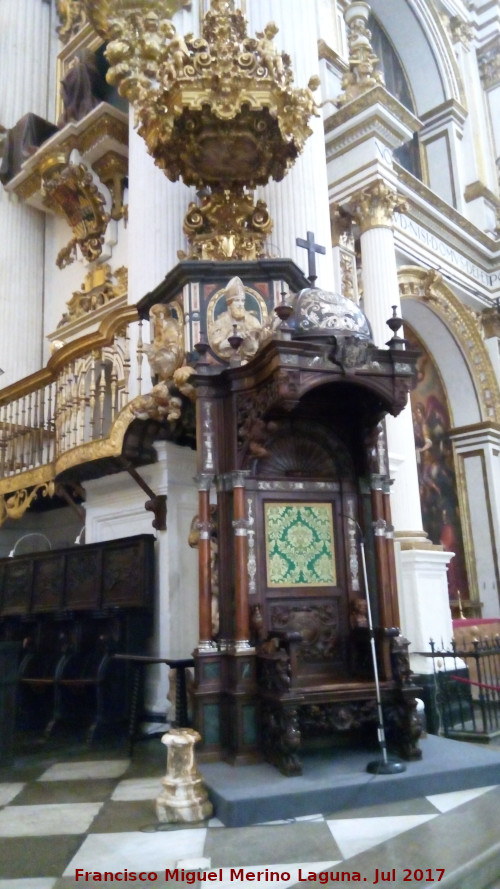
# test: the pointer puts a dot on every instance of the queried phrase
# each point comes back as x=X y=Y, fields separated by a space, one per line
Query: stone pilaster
x=24 y=62
x=299 y=203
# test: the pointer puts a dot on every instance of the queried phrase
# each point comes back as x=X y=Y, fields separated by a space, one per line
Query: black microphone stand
x=384 y=766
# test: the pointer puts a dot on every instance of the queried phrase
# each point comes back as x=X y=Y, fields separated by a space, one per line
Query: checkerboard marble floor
x=69 y=813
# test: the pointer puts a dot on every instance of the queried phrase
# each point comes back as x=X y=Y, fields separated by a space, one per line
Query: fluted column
x=25 y=27
x=156 y=212
x=423 y=589
x=373 y=208
x=299 y=203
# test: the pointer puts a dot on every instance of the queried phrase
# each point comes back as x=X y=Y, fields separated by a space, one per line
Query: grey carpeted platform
x=336 y=780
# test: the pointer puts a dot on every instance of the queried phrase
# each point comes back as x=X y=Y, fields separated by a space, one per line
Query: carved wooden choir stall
x=290 y=395
x=71 y=610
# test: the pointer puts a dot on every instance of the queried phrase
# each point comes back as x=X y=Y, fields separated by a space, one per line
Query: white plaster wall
x=60 y=526
x=493 y=99
x=478 y=158
x=448 y=357
x=423 y=57
x=475 y=476
x=439 y=168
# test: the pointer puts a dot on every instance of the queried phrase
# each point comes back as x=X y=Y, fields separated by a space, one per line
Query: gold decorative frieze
x=218 y=111
x=71 y=191
x=72 y=18
x=100 y=287
x=362 y=74
x=15 y=505
x=374 y=206
x=463 y=324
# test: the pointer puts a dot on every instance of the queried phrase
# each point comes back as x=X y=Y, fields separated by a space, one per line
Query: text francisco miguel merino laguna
x=242 y=874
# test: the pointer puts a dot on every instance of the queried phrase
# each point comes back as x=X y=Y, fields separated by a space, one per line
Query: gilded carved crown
x=219 y=110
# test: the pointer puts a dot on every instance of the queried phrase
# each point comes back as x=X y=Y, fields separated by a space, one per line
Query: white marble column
x=380 y=292
x=421 y=566
x=299 y=203
x=25 y=29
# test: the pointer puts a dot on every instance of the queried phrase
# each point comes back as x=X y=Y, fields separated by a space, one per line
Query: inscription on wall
x=444 y=251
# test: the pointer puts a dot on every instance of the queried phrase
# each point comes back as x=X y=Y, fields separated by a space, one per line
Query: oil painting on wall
x=436 y=471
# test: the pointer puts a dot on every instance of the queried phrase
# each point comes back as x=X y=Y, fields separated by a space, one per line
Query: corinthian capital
x=489 y=64
x=374 y=206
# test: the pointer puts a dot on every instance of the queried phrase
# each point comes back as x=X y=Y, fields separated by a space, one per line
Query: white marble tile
x=35 y=821
x=81 y=771
x=290 y=820
x=194 y=863
x=137 y=789
x=310 y=818
x=137 y=851
x=291 y=874
x=8 y=792
x=445 y=802
x=29 y=883
x=356 y=835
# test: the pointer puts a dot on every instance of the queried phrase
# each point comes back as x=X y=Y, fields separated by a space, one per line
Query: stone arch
x=427 y=58
x=451 y=329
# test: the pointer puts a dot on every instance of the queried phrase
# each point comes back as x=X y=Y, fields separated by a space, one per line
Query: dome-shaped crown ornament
x=218 y=111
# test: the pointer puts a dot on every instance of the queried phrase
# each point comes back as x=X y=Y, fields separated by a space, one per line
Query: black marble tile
x=129 y=815
x=39 y=793
x=43 y=856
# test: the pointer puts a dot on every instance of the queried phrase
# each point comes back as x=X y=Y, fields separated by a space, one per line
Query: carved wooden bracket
x=158 y=502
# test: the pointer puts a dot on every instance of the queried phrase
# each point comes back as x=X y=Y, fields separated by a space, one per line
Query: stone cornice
x=328 y=54
x=103 y=129
x=476 y=190
x=377 y=95
x=441 y=115
x=427 y=205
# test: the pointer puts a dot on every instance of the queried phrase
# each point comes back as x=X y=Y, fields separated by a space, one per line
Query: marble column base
x=183 y=798
x=423 y=597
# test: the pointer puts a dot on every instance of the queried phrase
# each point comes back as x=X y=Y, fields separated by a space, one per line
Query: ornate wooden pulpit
x=292 y=465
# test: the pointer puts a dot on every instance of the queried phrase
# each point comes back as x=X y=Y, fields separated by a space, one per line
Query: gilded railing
x=68 y=407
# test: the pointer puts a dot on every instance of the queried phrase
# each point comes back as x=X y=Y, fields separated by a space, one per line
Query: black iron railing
x=467 y=688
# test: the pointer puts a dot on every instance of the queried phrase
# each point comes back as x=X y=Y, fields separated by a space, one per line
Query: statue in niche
x=80 y=88
x=236 y=319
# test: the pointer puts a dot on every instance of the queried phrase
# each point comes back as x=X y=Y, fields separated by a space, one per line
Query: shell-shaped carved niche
x=299 y=450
